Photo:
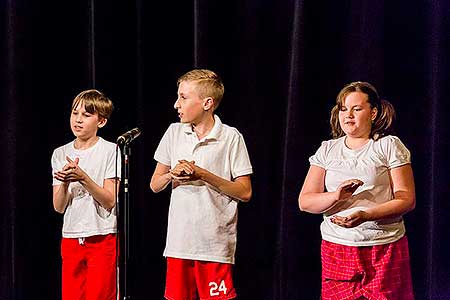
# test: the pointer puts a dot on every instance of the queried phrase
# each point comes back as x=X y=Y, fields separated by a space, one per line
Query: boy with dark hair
x=84 y=185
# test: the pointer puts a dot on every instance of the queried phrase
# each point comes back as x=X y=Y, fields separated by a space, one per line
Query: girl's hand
x=352 y=220
x=346 y=189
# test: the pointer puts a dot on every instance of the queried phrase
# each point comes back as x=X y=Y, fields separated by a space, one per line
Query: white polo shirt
x=370 y=164
x=84 y=216
x=202 y=221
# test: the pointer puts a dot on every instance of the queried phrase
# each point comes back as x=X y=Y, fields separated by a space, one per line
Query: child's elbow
x=109 y=206
x=412 y=203
x=154 y=188
x=59 y=209
x=301 y=204
x=245 y=197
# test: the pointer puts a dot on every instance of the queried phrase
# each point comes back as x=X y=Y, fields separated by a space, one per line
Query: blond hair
x=381 y=125
x=208 y=84
x=94 y=102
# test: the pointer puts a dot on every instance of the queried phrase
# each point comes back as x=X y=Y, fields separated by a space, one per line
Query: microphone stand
x=126 y=218
x=125 y=139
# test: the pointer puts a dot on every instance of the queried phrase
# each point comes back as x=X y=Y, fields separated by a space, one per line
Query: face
x=190 y=106
x=84 y=125
x=356 y=115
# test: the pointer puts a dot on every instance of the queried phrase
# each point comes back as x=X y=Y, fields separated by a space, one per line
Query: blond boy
x=208 y=165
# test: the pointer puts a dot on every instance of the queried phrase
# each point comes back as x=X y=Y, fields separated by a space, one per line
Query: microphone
x=128 y=136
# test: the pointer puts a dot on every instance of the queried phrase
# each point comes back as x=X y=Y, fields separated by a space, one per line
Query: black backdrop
x=282 y=62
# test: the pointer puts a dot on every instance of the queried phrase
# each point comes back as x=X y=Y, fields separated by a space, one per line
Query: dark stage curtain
x=282 y=62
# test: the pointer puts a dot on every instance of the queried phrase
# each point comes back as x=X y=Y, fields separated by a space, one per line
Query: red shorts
x=192 y=279
x=375 y=273
x=89 y=268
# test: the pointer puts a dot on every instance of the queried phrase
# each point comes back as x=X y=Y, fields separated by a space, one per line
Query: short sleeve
x=162 y=153
x=111 y=164
x=318 y=159
x=240 y=160
x=56 y=166
x=396 y=152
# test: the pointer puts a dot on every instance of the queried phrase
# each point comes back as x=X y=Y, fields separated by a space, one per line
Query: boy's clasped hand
x=185 y=171
x=71 y=172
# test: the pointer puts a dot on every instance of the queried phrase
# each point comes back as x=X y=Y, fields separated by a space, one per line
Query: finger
x=178 y=171
x=357 y=182
x=352 y=187
x=350 y=218
x=77 y=160
x=184 y=168
x=180 y=178
x=337 y=219
x=339 y=223
x=188 y=169
x=62 y=173
x=60 y=178
x=346 y=185
x=69 y=160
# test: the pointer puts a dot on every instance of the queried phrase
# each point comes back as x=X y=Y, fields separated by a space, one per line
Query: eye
x=343 y=108
x=87 y=115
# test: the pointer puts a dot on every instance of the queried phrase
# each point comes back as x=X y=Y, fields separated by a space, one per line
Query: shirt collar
x=212 y=135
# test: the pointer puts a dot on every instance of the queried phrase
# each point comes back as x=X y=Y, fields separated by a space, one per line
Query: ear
x=102 y=122
x=208 y=103
x=374 y=114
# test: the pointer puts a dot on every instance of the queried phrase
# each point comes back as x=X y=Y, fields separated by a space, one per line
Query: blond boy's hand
x=185 y=171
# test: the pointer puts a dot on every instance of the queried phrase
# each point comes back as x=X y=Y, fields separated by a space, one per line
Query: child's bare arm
x=103 y=195
x=314 y=199
x=61 y=196
x=240 y=187
x=161 y=178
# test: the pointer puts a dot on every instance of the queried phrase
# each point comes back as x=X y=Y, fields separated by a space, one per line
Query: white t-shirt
x=202 y=221
x=84 y=216
x=371 y=164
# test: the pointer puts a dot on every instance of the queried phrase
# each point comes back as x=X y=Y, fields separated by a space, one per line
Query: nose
x=176 y=105
x=79 y=118
x=350 y=113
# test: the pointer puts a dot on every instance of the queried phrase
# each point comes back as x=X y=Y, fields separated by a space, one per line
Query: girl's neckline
x=356 y=149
